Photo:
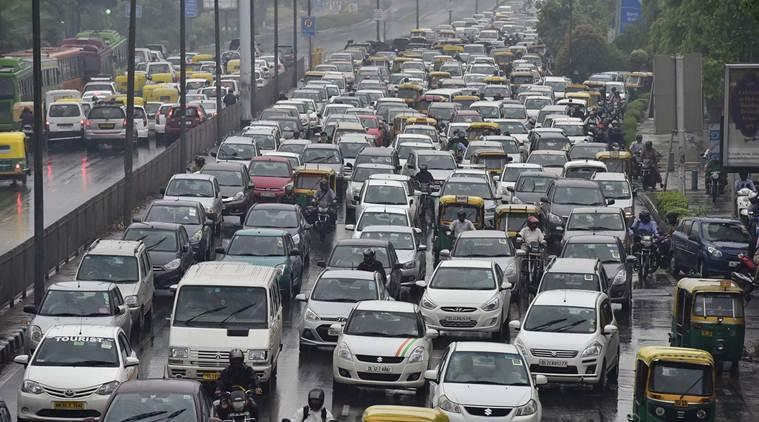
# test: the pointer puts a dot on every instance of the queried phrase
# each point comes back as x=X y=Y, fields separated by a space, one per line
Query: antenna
x=565 y=296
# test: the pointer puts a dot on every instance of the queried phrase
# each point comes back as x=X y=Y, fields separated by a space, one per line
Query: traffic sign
x=380 y=15
x=308 y=26
x=191 y=8
x=138 y=11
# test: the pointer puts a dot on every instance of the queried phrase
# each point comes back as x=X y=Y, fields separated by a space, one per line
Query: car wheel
x=600 y=387
x=421 y=392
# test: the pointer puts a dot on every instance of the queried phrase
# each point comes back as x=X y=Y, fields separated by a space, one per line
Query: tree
x=590 y=53
x=639 y=59
x=553 y=18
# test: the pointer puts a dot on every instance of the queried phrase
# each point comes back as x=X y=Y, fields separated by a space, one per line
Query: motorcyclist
x=461 y=224
x=289 y=196
x=423 y=176
x=616 y=98
x=644 y=223
x=27 y=117
x=649 y=153
x=237 y=373
x=371 y=264
x=325 y=198
x=315 y=411
x=531 y=233
x=744 y=182
x=637 y=146
x=615 y=134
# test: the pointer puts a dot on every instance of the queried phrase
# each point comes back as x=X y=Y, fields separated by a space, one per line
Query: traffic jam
x=440 y=229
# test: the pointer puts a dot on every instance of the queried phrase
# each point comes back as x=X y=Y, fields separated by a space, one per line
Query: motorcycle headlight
x=36 y=333
x=131 y=301
x=447 y=405
x=107 y=388
x=344 y=352
x=621 y=277
x=31 y=387
x=197 y=236
x=492 y=304
x=528 y=409
x=257 y=355
x=239 y=196
x=409 y=265
x=427 y=303
x=417 y=355
x=179 y=352
x=701 y=413
x=594 y=349
x=172 y=265
x=311 y=315
x=714 y=251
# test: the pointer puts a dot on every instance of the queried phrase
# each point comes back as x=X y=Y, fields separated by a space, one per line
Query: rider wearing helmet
x=744 y=182
x=423 y=176
x=289 y=196
x=644 y=223
x=315 y=410
x=461 y=224
x=531 y=233
x=371 y=264
x=237 y=373
x=637 y=146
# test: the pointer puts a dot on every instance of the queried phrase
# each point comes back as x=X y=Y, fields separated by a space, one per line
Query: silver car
x=202 y=188
x=411 y=253
x=486 y=245
x=105 y=124
x=334 y=295
x=77 y=302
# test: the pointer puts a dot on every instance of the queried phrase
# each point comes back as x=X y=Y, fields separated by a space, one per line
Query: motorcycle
x=743 y=203
x=321 y=218
x=236 y=406
x=532 y=265
x=648 y=174
x=645 y=249
x=744 y=276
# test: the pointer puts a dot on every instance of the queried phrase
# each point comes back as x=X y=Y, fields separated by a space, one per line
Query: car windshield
x=487 y=112
x=511 y=174
x=351 y=149
x=585 y=152
x=572 y=130
x=321 y=156
x=154 y=239
x=492 y=91
x=369 y=122
x=725 y=232
x=384 y=324
x=490 y=368
x=243 y=245
x=615 y=189
x=346 y=256
x=265 y=168
x=381 y=219
x=76 y=303
x=159 y=68
x=81 y=351
x=552 y=144
x=681 y=378
x=263 y=141
x=463 y=279
x=595 y=221
x=582 y=172
x=226 y=177
x=385 y=195
x=401 y=241
x=405 y=149
x=440 y=111
x=221 y=307
x=486 y=247
x=573 y=195
x=561 y=319
x=275 y=218
x=569 y=281
x=190 y=187
x=535 y=184
x=548 y=160
x=151 y=406
x=468 y=189
x=536 y=103
x=99 y=87
x=346 y=290
x=111 y=268
x=174 y=214
x=718 y=305
x=604 y=252
x=64 y=110
x=363 y=173
x=230 y=151
x=292 y=147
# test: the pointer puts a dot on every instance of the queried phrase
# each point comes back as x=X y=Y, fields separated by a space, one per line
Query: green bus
x=15 y=86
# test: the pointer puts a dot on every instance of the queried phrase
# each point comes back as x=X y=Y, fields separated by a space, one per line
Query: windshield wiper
x=691 y=386
x=242 y=309
x=144 y=416
x=342 y=300
x=163 y=239
x=95 y=314
x=210 y=311
x=172 y=415
x=547 y=324
x=92 y=363
x=568 y=326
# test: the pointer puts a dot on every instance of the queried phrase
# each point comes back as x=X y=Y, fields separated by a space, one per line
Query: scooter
x=236 y=406
x=743 y=203
x=648 y=174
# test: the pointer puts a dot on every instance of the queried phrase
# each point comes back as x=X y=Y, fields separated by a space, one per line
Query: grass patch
x=671 y=202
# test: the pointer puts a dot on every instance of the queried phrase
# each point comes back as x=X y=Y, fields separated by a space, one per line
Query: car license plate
x=734 y=264
x=456 y=318
x=377 y=368
x=268 y=194
x=553 y=363
x=107 y=126
x=68 y=405
x=211 y=376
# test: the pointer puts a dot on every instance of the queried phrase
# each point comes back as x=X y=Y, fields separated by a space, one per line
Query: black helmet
x=649 y=144
x=236 y=355
x=323 y=183
x=288 y=189
x=368 y=253
x=461 y=213
x=613 y=89
x=645 y=216
x=638 y=138
x=316 y=399
x=743 y=174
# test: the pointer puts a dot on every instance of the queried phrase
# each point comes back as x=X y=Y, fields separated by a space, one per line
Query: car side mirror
x=173 y=288
x=421 y=248
x=510 y=189
x=544 y=199
x=335 y=329
x=21 y=359
x=397 y=266
x=541 y=379
x=350 y=227
x=411 y=202
x=431 y=333
x=430 y=375
x=421 y=283
x=185 y=248
x=356 y=198
x=121 y=310
x=209 y=221
x=221 y=250
x=301 y=297
x=635 y=193
x=162 y=191
x=631 y=259
x=213 y=154
x=321 y=264
x=445 y=253
x=506 y=285
x=610 y=329
x=515 y=325
x=610 y=201
x=30 y=309
x=131 y=361
x=136 y=220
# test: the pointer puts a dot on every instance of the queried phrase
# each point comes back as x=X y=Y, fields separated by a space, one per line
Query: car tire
x=627 y=304
x=600 y=387
x=421 y=392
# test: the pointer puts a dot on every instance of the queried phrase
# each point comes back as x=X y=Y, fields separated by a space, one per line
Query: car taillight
x=82 y=122
x=88 y=123
x=171 y=114
x=124 y=123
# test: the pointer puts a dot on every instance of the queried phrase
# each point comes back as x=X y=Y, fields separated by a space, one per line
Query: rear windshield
x=67 y=110
x=107 y=113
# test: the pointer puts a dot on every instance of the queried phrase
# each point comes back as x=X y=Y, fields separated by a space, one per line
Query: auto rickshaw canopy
x=390 y=413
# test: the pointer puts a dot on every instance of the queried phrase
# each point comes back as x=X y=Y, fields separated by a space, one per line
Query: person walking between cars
x=531 y=233
x=315 y=410
x=461 y=224
x=230 y=98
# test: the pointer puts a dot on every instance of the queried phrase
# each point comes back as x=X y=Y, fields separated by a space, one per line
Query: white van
x=65 y=121
x=220 y=306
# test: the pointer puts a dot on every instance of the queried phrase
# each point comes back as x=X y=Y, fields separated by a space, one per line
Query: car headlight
x=257 y=355
x=179 y=352
x=492 y=304
x=522 y=348
x=172 y=265
x=31 y=387
x=417 y=355
x=621 y=277
x=628 y=212
x=36 y=333
x=427 y=303
x=409 y=265
x=594 y=349
x=280 y=268
x=107 y=388
x=131 y=301
x=714 y=251
x=344 y=352
x=311 y=315
x=510 y=271
x=239 y=196
x=528 y=409
x=197 y=236
x=296 y=238
x=447 y=405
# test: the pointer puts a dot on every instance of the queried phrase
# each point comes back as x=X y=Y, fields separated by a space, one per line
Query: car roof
x=376 y=151
x=573 y=265
x=592 y=238
x=615 y=176
x=484 y=346
x=384 y=209
x=274 y=206
x=155 y=225
x=228 y=165
x=114 y=247
x=385 y=305
x=238 y=140
x=579 y=298
x=383 y=182
x=323 y=146
x=477 y=180
x=578 y=183
x=373 y=243
x=375 y=166
x=388 y=229
x=82 y=285
x=480 y=234
x=468 y=263
x=295 y=141
x=262 y=232
x=160 y=386
x=355 y=274
x=233 y=274
x=192 y=176
x=83 y=330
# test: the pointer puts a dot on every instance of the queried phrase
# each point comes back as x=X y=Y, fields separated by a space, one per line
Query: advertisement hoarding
x=740 y=140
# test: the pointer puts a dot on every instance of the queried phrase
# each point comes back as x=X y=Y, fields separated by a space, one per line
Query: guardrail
x=65 y=238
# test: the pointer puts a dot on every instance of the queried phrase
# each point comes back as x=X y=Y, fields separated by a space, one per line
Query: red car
x=194 y=116
x=269 y=176
x=373 y=127
x=466 y=116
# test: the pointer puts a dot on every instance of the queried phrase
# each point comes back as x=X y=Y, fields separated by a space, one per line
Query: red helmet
x=532 y=220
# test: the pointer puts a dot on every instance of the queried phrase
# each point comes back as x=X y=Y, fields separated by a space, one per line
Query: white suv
x=65 y=121
x=125 y=263
x=570 y=336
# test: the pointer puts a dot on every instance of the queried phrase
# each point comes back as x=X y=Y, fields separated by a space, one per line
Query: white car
x=485 y=379
x=73 y=372
x=510 y=174
x=388 y=193
x=161 y=115
x=65 y=121
x=467 y=295
x=379 y=216
x=411 y=253
x=570 y=336
x=141 y=123
x=616 y=186
x=359 y=174
x=382 y=344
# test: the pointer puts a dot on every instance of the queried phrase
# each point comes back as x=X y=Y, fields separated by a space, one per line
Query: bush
x=671 y=201
x=638 y=59
x=635 y=112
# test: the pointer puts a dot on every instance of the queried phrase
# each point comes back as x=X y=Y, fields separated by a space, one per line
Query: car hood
x=483 y=394
x=70 y=376
x=405 y=255
x=203 y=338
x=616 y=233
x=731 y=247
x=382 y=346
x=230 y=191
x=440 y=174
x=555 y=341
x=128 y=289
x=46 y=322
x=577 y=139
x=264 y=261
x=338 y=168
x=554 y=171
x=331 y=309
x=207 y=203
x=161 y=258
x=445 y=297
x=270 y=182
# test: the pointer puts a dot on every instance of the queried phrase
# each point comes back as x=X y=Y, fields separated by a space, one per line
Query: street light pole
x=40 y=261
x=217 y=42
x=295 y=42
x=417 y=14
x=129 y=143
x=310 y=47
x=450 y=12
x=253 y=86
x=569 y=43
x=476 y=6
x=182 y=82
x=276 y=49
x=378 y=22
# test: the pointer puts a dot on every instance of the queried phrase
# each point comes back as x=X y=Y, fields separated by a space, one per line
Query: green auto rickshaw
x=448 y=208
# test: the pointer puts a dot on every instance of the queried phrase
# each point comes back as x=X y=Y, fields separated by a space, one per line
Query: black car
x=168 y=247
x=282 y=216
x=192 y=216
x=563 y=196
x=348 y=253
x=617 y=264
x=236 y=189
x=176 y=400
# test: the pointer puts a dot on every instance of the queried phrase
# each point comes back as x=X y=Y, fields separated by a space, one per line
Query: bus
x=15 y=76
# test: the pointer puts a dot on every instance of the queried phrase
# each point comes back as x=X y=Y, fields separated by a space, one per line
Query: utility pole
x=450 y=12
x=276 y=50
x=247 y=62
x=253 y=86
x=40 y=261
x=295 y=42
x=182 y=83
x=217 y=42
x=129 y=143
x=378 y=22
x=417 y=14
x=310 y=47
x=569 y=39
x=476 y=6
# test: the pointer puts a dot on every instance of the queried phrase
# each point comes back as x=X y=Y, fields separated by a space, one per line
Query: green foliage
x=634 y=37
x=670 y=201
x=590 y=53
x=639 y=59
x=343 y=19
x=553 y=18
x=635 y=113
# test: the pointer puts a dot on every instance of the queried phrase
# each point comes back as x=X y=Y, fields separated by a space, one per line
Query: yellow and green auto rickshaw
x=448 y=208
x=452 y=49
x=208 y=76
x=493 y=160
x=163 y=93
x=399 y=121
x=616 y=161
x=479 y=129
x=419 y=120
x=14 y=158
x=122 y=99
x=673 y=384
x=439 y=61
x=575 y=88
x=707 y=314
x=233 y=66
x=398 y=62
x=380 y=61
x=202 y=58
x=409 y=92
x=579 y=95
x=496 y=80
x=512 y=218
x=391 y=413
x=436 y=77
x=504 y=59
x=465 y=100
x=140 y=79
x=423 y=104
x=306 y=181
x=312 y=75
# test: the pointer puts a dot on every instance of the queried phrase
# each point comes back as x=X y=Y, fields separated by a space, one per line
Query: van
x=221 y=306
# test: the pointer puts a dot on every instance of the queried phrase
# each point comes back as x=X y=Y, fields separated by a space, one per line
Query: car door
x=395 y=267
x=187 y=258
x=275 y=322
x=504 y=293
x=123 y=320
x=690 y=245
x=126 y=351
x=296 y=261
x=434 y=387
x=147 y=286
x=217 y=203
x=612 y=340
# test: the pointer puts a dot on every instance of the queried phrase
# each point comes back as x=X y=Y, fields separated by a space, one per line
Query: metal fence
x=65 y=238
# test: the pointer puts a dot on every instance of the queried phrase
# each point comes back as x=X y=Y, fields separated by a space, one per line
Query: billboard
x=223 y=4
x=740 y=140
x=629 y=13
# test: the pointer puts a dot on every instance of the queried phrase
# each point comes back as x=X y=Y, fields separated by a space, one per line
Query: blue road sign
x=191 y=9
x=715 y=135
x=138 y=10
x=308 y=26
x=630 y=11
